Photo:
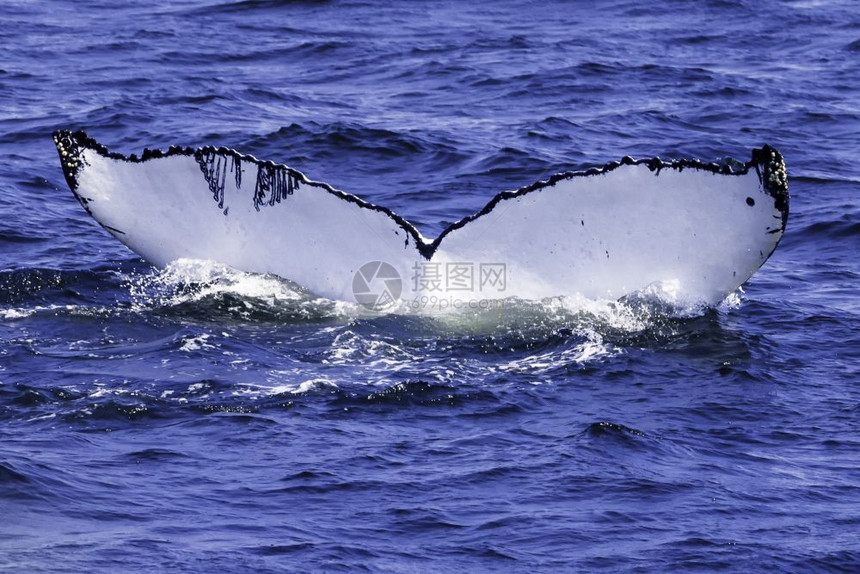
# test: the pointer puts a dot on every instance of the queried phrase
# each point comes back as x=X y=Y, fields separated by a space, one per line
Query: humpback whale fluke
x=604 y=232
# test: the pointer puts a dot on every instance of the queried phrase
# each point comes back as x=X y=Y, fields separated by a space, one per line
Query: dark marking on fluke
x=773 y=176
x=215 y=167
x=69 y=147
x=275 y=182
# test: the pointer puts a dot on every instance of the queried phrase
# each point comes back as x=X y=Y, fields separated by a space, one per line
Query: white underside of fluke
x=605 y=235
x=165 y=211
x=609 y=235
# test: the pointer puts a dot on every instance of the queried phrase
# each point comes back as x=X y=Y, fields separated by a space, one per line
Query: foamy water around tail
x=402 y=343
x=193 y=309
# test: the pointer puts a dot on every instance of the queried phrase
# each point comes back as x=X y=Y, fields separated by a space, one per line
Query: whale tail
x=605 y=232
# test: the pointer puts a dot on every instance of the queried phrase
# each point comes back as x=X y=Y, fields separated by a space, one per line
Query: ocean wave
x=210 y=291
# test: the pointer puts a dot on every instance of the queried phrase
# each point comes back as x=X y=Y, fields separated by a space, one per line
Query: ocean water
x=200 y=419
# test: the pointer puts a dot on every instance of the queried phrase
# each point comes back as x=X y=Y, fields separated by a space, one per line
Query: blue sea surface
x=201 y=419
